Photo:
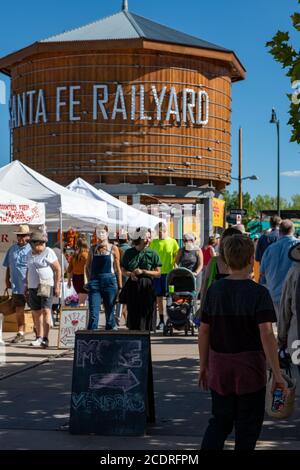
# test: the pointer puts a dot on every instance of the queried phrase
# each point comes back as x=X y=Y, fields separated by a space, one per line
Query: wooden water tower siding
x=137 y=150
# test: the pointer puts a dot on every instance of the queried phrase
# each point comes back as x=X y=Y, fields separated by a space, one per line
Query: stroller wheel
x=186 y=330
x=192 y=330
x=165 y=331
x=171 y=331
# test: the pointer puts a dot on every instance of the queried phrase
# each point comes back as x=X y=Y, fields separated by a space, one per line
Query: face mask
x=101 y=234
x=189 y=246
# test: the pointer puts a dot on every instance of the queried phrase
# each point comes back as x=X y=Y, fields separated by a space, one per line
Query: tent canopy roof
x=127 y=215
x=78 y=210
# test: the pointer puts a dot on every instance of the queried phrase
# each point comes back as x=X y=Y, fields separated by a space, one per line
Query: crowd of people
x=128 y=276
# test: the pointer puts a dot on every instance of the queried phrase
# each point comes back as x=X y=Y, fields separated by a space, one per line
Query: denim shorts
x=19 y=300
x=37 y=302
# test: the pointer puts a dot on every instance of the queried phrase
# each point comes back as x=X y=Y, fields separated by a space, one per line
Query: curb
x=35 y=364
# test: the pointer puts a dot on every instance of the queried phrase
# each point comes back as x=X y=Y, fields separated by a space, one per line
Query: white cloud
x=291 y=173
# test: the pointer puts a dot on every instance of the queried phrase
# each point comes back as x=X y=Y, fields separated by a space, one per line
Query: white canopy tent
x=16 y=210
x=127 y=215
x=64 y=208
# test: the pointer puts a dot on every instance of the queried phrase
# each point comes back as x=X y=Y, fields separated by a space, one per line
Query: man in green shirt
x=166 y=248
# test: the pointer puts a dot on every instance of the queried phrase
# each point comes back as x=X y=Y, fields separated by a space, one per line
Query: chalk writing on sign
x=91 y=401
x=122 y=353
x=126 y=381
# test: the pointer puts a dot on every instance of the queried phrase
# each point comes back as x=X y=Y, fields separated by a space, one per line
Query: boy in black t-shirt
x=235 y=337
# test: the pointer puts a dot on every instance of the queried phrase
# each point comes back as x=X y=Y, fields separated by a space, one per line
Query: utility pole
x=240 y=168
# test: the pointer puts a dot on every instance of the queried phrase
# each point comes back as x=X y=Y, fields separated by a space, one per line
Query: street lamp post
x=275 y=120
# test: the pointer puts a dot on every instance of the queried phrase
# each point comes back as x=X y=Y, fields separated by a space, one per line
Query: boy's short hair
x=238 y=251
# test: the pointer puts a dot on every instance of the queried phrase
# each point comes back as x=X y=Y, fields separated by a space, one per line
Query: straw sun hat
x=294 y=252
x=23 y=230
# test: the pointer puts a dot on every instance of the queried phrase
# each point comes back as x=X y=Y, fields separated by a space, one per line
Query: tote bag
x=289 y=405
x=6 y=304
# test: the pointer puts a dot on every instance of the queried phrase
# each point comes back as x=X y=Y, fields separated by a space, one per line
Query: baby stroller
x=180 y=303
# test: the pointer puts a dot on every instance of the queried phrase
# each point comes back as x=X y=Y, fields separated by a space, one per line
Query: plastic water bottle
x=278 y=399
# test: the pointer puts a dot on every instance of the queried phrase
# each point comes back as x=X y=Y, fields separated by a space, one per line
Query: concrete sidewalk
x=34 y=403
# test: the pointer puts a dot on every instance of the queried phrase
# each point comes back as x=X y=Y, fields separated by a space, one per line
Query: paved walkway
x=35 y=387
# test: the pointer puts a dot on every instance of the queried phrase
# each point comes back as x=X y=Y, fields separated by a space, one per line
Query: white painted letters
x=186 y=105
x=41 y=108
x=119 y=98
x=59 y=103
x=73 y=103
x=97 y=102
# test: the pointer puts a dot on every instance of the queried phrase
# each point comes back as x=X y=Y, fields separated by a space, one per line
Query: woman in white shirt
x=43 y=277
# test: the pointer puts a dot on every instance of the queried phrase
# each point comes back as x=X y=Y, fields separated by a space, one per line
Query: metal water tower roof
x=127 y=25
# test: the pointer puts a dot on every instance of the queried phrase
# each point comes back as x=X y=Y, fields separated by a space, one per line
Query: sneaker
x=45 y=343
x=160 y=326
x=19 y=338
x=37 y=342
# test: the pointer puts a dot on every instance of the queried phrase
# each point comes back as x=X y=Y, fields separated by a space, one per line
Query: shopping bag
x=289 y=404
x=6 y=304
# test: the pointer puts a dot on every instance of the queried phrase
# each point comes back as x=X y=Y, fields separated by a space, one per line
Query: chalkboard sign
x=112 y=387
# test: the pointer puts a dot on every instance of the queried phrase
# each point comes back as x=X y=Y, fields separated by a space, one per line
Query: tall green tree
x=267 y=202
x=295 y=202
x=289 y=57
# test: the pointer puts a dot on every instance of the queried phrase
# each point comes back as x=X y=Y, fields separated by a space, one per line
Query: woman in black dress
x=141 y=265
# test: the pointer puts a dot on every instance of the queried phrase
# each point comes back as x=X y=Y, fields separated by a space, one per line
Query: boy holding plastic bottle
x=235 y=339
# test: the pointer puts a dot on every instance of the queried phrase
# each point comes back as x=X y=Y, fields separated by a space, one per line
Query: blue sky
x=243 y=26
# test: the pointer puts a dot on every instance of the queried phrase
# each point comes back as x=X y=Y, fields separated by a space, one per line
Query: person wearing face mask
x=190 y=256
x=43 y=276
x=105 y=279
x=141 y=265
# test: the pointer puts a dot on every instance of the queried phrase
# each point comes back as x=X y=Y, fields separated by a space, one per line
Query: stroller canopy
x=182 y=279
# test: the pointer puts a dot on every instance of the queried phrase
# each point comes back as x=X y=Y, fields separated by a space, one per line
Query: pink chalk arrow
x=114 y=380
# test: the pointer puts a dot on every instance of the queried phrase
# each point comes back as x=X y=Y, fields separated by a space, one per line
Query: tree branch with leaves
x=289 y=57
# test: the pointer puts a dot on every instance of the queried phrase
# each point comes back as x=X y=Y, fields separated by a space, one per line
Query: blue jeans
x=102 y=288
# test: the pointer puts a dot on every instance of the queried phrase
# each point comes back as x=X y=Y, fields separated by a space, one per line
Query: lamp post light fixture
x=252 y=177
x=275 y=120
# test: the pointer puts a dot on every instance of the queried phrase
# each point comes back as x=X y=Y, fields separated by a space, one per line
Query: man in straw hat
x=289 y=310
x=15 y=262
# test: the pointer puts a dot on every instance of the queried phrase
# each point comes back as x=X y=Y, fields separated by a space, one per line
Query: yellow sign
x=218 y=212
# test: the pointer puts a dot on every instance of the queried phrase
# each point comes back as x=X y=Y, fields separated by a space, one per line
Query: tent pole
x=62 y=257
